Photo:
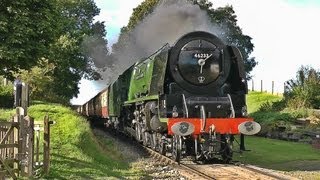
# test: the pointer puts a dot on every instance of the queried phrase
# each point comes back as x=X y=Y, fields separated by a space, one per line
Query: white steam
x=170 y=20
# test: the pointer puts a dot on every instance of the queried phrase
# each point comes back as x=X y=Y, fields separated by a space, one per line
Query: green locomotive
x=188 y=99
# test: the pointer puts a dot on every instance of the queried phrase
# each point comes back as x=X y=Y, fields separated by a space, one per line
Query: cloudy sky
x=285 y=34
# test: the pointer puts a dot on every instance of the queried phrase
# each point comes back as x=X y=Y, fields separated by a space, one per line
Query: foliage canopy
x=27 y=28
x=44 y=40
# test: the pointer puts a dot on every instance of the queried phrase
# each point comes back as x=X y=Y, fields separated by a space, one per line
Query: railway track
x=192 y=170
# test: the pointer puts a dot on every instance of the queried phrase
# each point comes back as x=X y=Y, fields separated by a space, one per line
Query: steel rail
x=193 y=171
x=264 y=173
x=185 y=167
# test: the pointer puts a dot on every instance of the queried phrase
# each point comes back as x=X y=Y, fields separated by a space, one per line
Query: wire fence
x=273 y=87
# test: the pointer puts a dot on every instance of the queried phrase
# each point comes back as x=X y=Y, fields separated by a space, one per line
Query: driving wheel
x=176 y=148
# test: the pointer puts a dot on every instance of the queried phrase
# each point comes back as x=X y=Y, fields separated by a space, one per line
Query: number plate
x=201 y=55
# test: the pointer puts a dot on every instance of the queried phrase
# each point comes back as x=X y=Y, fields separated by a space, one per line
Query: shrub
x=272 y=106
x=267 y=106
x=300 y=113
x=304 y=91
x=279 y=105
x=6 y=96
x=269 y=116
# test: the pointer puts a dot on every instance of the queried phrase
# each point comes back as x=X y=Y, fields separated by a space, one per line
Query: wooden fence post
x=29 y=145
x=272 y=90
x=37 y=129
x=12 y=141
x=46 y=145
x=252 y=85
x=25 y=97
x=261 y=86
x=21 y=139
x=16 y=141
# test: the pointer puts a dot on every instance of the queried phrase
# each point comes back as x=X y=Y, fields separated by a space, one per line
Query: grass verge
x=256 y=99
x=271 y=153
x=279 y=155
x=75 y=151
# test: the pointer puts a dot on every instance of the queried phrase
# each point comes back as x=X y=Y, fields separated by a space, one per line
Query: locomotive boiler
x=186 y=100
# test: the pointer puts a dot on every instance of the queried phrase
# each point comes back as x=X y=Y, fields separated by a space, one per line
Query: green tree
x=39 y=78
x=68 y=53
x=27 y=28
x=225 y=17
x=54 y=30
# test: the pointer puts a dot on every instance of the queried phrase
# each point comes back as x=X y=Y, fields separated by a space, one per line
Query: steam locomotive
x=186 y=100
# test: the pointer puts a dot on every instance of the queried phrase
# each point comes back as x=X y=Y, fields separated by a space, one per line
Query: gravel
x=305 y=175
x=157 y=170
x=134 y=154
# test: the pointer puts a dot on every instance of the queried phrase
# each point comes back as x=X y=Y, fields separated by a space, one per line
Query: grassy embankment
x=256 y=99
x=75 y=152
x=276 y=154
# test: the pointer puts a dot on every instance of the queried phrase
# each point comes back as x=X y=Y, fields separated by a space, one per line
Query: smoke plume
x=170 y=20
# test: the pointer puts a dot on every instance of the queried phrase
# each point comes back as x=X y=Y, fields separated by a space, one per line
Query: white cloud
x=116 y=14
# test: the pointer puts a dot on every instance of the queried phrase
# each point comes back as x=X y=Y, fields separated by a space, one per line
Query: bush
x=267 y=106
x=272 y=106
x=269 y=116
x=299 y=113
x=304 y=91
x=6 y=96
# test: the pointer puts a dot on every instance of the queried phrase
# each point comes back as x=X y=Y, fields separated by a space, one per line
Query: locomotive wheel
x=197 y=151
x=153 y=142
x=138 y=132
x=227 y=154
x=176 y=148
x=227 y=151
x=162 y=144
x=163 y=147
x=145 y=138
